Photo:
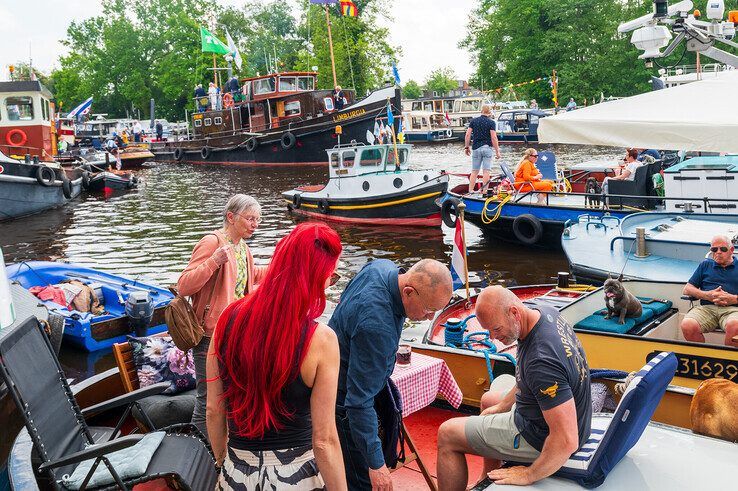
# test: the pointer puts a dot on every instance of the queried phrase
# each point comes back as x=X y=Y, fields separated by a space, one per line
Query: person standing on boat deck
x=339 y=98
x=199 y=94
x=112 y=148
x=542 y=415
x=273 y=373
x=529 y=178
x=137 y=131
x=715 y=284
x=482 y=132
x=213 y=95
x=222 y=263
x=368 y=321
x=627 y=173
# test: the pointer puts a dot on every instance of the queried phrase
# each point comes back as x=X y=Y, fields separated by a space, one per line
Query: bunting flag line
x=457 y=258
x=324 y=2
x=234 y=50
x=348 y=8
x=211 y=44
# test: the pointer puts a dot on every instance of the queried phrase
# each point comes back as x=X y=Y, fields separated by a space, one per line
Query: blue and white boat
x=118 y=296
x=654 y=246
x=427 y=127
x=519 y=125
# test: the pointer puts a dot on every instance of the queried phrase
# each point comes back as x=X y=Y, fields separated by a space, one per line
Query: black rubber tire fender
x=251 y=144
x=86 y=180
x=296 y=200
x=449 y=211
x=323 y=206
x=66 y=187
x=205 y=153
x=178 y=154
x=528 y=229
x=45 y=175
x=288 y=140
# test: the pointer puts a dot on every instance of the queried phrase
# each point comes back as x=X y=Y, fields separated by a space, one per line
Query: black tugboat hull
x=22 y=194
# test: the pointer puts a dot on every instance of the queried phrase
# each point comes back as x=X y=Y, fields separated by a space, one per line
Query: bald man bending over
x=368 y=322
x=541 y=416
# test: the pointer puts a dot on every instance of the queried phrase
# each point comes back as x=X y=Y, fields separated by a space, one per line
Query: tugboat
x=372 y=184
x=281 y=119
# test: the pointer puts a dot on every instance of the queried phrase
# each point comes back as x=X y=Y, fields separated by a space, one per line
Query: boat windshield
x=19 y=108
x=402 y=153
x=371 y=156
x=264 y=86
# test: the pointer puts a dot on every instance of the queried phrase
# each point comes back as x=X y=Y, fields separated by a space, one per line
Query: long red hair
x=260 y=340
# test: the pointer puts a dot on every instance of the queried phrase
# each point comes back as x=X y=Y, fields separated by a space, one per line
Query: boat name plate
x=349 y=115
x=703 y=367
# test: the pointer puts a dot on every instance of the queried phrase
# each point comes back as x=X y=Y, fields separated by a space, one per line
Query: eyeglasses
x=721 y=249
x=334 y=278
x=255 y=220
x=426 y=310
x=534 y=155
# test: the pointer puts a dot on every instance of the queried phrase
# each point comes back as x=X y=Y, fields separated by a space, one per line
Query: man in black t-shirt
x=481 y=136
x=542 y=416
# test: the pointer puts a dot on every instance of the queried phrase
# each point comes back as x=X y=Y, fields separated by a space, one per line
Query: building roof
x=25 y=86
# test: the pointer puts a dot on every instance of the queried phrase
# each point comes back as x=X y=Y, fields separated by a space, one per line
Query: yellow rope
x=485 y=217
x=577 y=288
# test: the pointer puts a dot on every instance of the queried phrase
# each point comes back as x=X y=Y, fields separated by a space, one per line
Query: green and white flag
x=211 y=44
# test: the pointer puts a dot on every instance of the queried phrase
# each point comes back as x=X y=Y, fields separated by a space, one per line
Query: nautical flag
x=401 y=132
x=80 y=110
x=211 y=44
x=348 y=8
x=234 y=50
x=390 y=116
x=369 y=137
x=395 y=73
x=458 y=272
x=448 y=120
x=377 y=129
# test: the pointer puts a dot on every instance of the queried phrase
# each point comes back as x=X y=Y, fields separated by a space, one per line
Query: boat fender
x=449 y=133
x=527 y=229
x=86 y=179
x=178 y=154
x=45 y=175
x=13 y=132
x=323 y=206
x=296 y=200
x=251 y=144
x=66 y=187
x=288 y=140
x=205 y=153
x=449 y=211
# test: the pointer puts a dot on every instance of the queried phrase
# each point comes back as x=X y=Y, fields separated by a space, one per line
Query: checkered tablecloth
x=422 y=380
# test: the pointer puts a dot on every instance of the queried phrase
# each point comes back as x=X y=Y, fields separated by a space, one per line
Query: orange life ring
x=227 y=100
x=16 y=131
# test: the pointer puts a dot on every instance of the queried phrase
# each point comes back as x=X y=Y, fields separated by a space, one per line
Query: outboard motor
x=140 y=311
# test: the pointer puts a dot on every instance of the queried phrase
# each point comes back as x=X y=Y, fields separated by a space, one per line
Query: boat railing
x=651 y=239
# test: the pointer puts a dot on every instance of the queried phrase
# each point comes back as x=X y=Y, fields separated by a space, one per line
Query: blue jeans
x=200 y=356
x=357 y=468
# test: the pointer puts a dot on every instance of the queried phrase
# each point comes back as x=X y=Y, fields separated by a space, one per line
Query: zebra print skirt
x=270 y=470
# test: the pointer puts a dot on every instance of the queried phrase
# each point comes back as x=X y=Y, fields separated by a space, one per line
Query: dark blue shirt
x=368 y=321
x=552 y=369
x=481 y=127
x=709 y=275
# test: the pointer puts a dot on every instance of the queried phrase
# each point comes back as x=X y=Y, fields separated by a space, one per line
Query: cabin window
x=334 y=159
x=416 y=124
x=264 y=86
x=328 y=103
x=292 y=108
x=218 y=120
x=208 y=121
x=287 y=84
x=425 y=122
x=428 y=106
x=348 y=158
x=305 y=83
x=198 y=123
x=505 y=117
x=371 y=156
x=19 y=108
x=448 y=106
x=402 y=153
x=533 y=119
x=471 y=106
x=417 y=106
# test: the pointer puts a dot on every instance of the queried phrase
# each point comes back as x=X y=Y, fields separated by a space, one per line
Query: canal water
x=148 y=233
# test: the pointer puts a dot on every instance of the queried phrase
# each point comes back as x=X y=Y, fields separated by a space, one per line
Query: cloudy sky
x=427 y=30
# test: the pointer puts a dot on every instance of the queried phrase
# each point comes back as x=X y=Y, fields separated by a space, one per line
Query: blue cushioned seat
x=608 y=445
x=597 y=322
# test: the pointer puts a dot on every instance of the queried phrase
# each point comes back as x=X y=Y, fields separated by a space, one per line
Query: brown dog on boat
x=620 y=302
x=713 y=409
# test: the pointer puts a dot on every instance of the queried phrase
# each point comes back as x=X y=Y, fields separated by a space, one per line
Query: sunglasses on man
x=721 y=249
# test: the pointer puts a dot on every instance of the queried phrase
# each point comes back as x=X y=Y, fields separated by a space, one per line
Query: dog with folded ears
x=620 y=302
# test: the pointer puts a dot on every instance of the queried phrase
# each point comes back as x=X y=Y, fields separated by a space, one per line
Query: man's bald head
x=426 y=288
x=500 y=311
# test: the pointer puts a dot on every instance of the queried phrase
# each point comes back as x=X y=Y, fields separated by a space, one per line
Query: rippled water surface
x=149 y=233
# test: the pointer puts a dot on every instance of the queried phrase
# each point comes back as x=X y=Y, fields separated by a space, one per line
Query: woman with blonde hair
x=529 y=178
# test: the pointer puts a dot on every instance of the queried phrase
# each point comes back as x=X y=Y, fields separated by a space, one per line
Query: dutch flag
x=83 y=108
x=458 y=272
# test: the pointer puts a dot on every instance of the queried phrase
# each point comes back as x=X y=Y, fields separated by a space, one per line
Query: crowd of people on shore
x=288 y=401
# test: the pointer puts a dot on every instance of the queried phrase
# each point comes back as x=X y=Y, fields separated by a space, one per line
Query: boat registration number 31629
x=703 y=367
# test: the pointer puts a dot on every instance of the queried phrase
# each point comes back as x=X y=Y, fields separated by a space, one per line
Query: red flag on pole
x=348 y=8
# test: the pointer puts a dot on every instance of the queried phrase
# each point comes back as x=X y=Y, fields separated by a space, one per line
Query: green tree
x=411 y=90
x=441 y=80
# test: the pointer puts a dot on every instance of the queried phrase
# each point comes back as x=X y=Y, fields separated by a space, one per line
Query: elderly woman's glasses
x=254 y=220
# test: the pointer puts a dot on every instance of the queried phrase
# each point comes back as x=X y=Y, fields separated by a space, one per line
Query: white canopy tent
x=700 y=116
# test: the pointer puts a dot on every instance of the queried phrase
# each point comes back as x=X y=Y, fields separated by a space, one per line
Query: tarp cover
x=701 y=116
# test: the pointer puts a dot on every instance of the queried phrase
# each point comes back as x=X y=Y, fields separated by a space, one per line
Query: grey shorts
x=482 y=158
x=495 y=436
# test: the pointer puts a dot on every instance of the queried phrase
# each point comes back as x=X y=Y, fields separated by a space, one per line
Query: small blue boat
x=672 y=246
x=96 y=332
x=519 y=125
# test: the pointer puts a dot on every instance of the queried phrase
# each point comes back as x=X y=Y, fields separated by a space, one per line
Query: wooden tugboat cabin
x=26 y=116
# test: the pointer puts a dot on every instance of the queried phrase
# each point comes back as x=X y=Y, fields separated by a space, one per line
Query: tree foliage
x=441 y=80
x=411 y=90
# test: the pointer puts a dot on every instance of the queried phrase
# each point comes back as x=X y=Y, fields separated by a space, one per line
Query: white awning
x=700 y=116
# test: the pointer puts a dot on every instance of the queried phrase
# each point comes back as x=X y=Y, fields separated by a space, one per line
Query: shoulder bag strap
x=212 y=288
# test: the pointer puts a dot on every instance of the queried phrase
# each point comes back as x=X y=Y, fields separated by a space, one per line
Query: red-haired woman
x=274 y=374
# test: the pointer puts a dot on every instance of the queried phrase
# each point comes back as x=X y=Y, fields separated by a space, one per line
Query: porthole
x=425 y=177
x=397 y=182
x=365 y=186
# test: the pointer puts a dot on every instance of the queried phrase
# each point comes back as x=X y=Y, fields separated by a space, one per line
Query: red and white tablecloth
x=422 y=380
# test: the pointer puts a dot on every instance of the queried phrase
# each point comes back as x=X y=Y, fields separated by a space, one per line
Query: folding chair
x=62 y=438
